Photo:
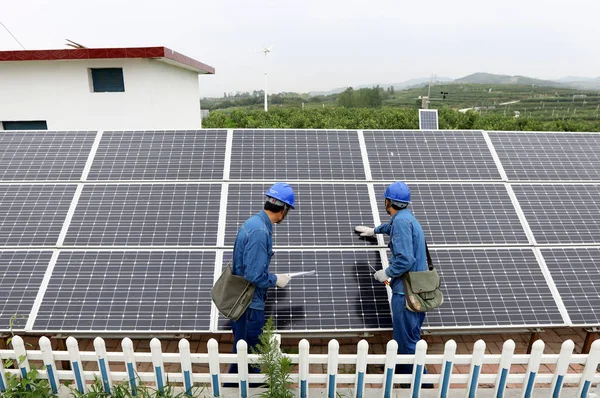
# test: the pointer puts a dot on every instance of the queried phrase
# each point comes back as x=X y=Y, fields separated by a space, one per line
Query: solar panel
x=463 y=213
x=576 y=274
x=428 y=155
x=296 y=155
x=33 y=215
x=21 y=274
x=341 y=296
x=146 y=215
x=428 y=119
x=160 y=155
x=47 y=155
x=128 y=291
x=548 y=156
x=492 y=288
x=325 y=214
x=561 y=213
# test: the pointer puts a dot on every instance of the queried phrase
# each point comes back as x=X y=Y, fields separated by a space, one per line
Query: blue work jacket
x=407 y=244
x=252 y=254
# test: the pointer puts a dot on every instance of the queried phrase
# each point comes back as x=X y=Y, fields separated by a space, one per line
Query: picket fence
x=303 y=378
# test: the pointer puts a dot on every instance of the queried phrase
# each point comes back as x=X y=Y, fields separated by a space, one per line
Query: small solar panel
x=452 y=214
x=296 y=155
x=325 y=214
x=428 y=119
x=341 y=296
x=492 y=288
x=47 y=155
x=21 y=274
x=576 y=274
x=160 y=155
x=146 y=215
x=33 y=215
x=429 y=155
x=128 y=291
x=561 y=214
x=548 y=156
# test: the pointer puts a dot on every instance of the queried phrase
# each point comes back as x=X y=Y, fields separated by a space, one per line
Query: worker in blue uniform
x=407 y=244
x=252 y=254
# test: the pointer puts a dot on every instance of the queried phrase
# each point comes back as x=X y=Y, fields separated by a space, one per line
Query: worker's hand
x=380 y=276
x=365 y=231
x=282 y=280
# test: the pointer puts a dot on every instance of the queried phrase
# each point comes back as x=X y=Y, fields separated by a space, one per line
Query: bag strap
x=429 y=262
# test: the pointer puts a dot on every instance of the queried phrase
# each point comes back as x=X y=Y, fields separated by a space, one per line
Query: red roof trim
x=107 y=53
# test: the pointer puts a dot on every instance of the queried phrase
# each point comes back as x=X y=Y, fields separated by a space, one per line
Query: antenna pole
x=429 y=89
x=266 y=103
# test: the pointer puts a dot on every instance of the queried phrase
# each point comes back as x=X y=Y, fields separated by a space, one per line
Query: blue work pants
x=407 y=329
x=248 y=328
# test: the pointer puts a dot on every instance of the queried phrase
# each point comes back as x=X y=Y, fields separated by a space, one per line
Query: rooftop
x=163 y=54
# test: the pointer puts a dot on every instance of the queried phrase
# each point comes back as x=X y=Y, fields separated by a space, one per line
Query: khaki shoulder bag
x=422 y=288
x=232 y=294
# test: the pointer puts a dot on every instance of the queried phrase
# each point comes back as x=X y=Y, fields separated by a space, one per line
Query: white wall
x=157 y=95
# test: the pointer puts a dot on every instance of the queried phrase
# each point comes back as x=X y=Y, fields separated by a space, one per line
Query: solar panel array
x=130 y=229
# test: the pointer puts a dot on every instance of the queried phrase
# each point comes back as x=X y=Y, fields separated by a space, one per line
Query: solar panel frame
x=428 y=119
x=576 y=274
x=21 y=275
x=33 y=214
x=561 y=214
x=341 y=300
x=145 y=215
x=266 y=155
x=548 y=156
x=328 y=218
x=444 y=155
x=142 y=284
x=505 y=286
x=44 y=155
x=160 y=155
x=463 y=214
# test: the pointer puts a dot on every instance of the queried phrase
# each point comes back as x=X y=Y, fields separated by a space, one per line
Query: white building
x=151 y=88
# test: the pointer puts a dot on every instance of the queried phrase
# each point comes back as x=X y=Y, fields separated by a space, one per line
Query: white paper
x=302 y=273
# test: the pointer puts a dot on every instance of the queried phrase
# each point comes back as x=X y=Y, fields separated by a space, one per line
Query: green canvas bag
x=422 y=288
x=232 y=294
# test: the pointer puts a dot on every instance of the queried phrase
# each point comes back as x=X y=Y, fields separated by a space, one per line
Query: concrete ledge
x=377 y=393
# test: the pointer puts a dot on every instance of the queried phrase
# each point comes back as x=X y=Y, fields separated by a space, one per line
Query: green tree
x=346 y=98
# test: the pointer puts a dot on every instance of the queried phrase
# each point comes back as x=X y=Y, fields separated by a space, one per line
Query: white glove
x=380 y=276
x=282 y=280
x=365 y=231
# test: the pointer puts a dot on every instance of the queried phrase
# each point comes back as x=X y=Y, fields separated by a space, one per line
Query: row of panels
x=326 y=214
x=299 y=155
x=156 y=291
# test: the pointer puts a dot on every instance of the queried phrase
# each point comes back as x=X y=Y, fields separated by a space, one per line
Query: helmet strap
x=397 y=205
x=286 y=209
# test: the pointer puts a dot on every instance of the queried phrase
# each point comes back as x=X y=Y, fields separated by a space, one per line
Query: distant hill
x=489 y=78
x=397 y=86
x=573 y=79
x=583 y=83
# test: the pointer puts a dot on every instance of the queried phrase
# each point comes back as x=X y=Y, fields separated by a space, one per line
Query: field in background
x=461 y=106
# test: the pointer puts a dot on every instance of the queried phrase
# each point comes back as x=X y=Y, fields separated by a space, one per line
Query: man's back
x=252 y=254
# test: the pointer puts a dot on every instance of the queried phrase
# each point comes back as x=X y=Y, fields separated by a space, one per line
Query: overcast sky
x=324 y=44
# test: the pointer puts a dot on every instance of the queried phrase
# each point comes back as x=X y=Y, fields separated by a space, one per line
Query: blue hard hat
x=397 y=192
x=282 y=192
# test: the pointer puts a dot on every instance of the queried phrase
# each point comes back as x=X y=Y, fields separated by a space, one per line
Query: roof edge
x=178 y=59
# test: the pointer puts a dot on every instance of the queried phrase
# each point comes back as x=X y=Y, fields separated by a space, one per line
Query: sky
x=326 y=44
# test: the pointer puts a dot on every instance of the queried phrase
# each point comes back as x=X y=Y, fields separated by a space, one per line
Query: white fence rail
x=304 y=379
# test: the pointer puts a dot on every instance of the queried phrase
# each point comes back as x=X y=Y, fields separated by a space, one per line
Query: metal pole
x=266 y=106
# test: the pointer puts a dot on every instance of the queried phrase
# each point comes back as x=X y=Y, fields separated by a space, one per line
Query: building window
x=25 y=125
x=107 y=80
